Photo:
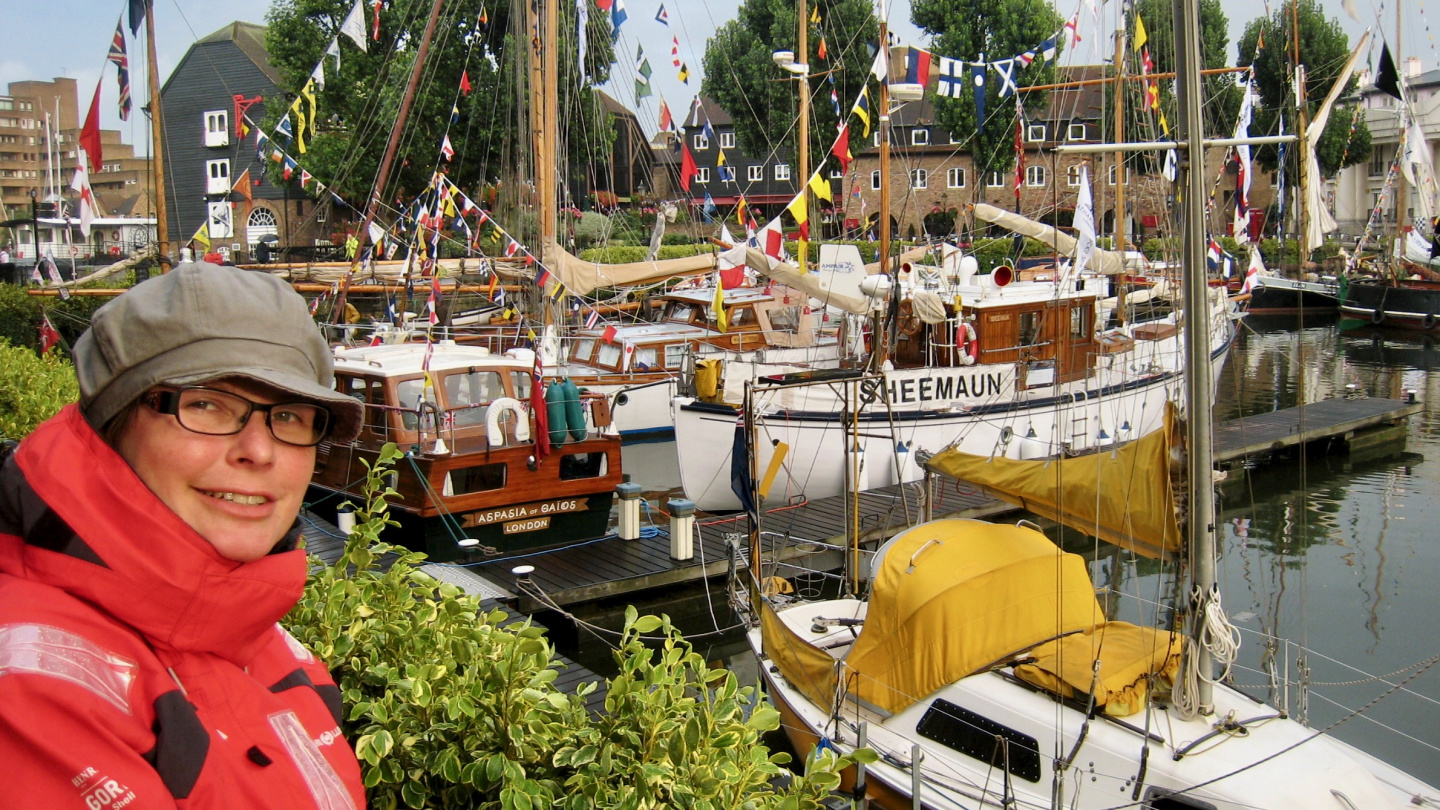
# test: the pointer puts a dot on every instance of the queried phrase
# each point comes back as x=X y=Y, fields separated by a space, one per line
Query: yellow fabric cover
x=806 y=667
x=979 y=595
x=1128 y=654
x=1123 y=497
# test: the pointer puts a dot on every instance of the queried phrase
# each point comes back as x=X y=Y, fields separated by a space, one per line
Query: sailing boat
x=983 y=670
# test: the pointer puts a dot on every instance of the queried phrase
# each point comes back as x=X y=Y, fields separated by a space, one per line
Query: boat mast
x=1302 y=153
x=879 y=339
x=544 y=76
x=1200 y=527
x=388 y=159
x=1119 y=159
x=1402 y=188
x=157 y=140
x=803 y=46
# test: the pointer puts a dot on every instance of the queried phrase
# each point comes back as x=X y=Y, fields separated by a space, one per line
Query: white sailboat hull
x=1274 y=763
x=977 y=408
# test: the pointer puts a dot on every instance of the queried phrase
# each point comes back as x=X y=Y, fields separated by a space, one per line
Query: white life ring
x=970 y=349
x=497 y=410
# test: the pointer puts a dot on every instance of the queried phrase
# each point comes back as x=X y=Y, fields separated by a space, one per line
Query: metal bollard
x=682 y=529
x=345 y=518
x=629 y=509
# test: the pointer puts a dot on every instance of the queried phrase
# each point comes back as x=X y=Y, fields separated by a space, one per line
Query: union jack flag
x=122 y=63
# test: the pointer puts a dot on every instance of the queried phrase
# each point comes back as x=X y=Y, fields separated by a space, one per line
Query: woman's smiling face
x=240 y=492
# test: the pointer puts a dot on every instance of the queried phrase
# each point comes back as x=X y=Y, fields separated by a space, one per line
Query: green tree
x=1323 y=50
x=742 y=79
x=360 y=101
x=999 y=29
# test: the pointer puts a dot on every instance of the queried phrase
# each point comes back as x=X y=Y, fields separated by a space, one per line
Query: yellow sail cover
x=1122 y=496
x=1128 y=654
x=953 y=597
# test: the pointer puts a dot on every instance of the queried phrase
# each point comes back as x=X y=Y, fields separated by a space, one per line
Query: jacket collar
x=93 y=529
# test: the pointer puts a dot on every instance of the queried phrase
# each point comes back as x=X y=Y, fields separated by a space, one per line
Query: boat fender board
x=555 y=410
x=574 y=411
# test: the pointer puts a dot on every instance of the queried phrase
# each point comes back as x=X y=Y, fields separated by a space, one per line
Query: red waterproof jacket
x=139 y=668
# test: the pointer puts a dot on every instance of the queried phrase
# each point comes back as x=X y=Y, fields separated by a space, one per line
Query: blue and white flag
x=617 y=16
x=952 y=78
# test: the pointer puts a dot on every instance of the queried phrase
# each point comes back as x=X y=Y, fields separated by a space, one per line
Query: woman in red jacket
x=147 y=552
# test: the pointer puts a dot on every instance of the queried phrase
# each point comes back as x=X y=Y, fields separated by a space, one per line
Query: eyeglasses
x=221 y=413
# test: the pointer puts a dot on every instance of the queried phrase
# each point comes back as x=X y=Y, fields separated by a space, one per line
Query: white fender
x=496 y=411
x=970 y=349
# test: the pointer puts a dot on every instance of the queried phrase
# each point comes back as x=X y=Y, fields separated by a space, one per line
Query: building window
x=220 y=223
x=1076 y=132
x=1035 y=176
x=300 y=207
x=1072 y=175
x=836 y=174
x=260 y=223
x=919 y=137
x=217 y=177
x=875 y=181
x=995 y=180
x=727 y=140
x=217 y=128
x=702 y=174
x=755 y=174
x=727 y=174
x=1378 y=162
x=876 y=137
x=955 y=139
x=701 y=142
x=782 y=171
x=1111 y=176
x=1035 y=133
x=955 y=178
x=919 y=178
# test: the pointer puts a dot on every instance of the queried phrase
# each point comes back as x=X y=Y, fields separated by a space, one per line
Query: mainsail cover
x=1103 y=261
x=1123 y=496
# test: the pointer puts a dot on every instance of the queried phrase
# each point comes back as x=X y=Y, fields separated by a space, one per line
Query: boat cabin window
x=575 y=466
x=408 y=395
x=609 y=356
x=977 y=736
x=674 y=355
x=785 y=319
x=645 y=358
x=741 y=316
x=1161 y=799
x=480 y=478
x=520 y=383
x=467 y=390
x=1080 y=322
x=369 y=391
x=584 y=347
x=1029 y=328
x=680 y=313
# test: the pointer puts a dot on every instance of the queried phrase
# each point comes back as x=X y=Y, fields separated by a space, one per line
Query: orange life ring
x=115 y=236
x=970 y=348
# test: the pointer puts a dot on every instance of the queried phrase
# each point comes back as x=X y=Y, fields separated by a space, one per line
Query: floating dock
x=1351 y=420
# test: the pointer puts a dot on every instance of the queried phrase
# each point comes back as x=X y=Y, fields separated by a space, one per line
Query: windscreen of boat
x=467 y=391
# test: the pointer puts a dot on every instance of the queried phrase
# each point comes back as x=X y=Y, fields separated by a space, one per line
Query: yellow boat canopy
x=954 y=597
x=1122 y=496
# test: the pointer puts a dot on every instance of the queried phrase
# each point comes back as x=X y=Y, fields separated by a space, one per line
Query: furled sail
x=1320 y=221
x=1123 y=496
x=1102 y=261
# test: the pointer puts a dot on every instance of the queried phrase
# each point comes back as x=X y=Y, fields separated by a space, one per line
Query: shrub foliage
x=33 y=388
x=450 y=707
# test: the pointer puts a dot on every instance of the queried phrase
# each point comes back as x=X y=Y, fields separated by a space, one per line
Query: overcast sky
x=43 y=40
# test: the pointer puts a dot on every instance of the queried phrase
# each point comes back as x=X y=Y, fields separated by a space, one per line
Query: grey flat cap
x=202 y=322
